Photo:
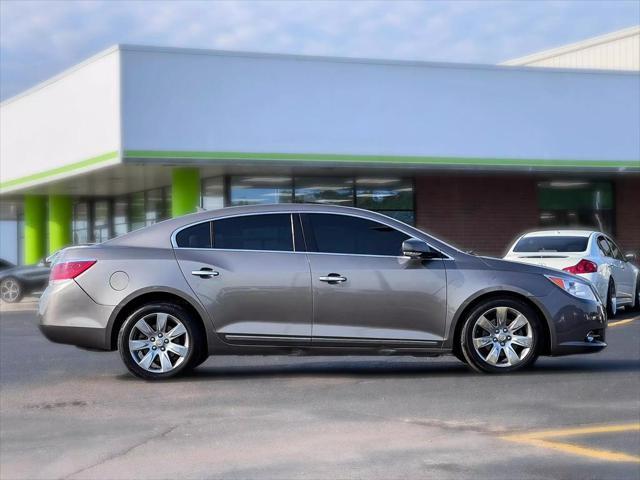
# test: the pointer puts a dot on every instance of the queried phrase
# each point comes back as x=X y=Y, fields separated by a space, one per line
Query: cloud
x=41 y=38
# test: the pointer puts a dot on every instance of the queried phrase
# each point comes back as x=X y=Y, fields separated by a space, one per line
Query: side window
x=329 y=233
x=615 y=251
x=198 y=236
x=254 y=232
x=603 y=245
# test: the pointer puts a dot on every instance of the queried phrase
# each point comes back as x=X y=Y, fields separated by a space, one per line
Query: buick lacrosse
x=310 y=280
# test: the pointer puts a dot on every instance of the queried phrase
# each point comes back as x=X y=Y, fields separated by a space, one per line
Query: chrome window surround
x=410 y=234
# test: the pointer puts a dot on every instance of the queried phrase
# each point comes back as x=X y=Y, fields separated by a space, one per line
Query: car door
x=249 y=276
x=622 y=274
x=365 y=291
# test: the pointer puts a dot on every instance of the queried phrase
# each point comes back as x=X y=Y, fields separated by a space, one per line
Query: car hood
x=512 y=266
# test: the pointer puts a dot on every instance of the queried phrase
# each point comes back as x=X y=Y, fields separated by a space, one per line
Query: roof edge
x=66 y=72
x=575 y=46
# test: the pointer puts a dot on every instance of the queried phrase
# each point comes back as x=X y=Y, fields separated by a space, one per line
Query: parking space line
x=541 y=439
x=621 y=322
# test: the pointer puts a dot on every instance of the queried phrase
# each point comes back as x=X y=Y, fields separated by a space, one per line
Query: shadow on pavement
x=376 y=368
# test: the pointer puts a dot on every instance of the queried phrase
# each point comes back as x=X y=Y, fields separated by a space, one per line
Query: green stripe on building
x=89 y=162
x=379 y=159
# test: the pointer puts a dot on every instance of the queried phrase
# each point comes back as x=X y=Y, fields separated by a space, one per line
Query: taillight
x=68 y=270
x=583 y=266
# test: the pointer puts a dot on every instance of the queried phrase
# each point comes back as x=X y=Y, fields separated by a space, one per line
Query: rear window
x=551 y=244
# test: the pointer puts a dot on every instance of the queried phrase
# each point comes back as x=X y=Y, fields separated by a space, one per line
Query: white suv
x=590 y=254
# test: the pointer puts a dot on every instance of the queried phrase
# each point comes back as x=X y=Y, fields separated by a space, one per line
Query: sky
x=39 y=39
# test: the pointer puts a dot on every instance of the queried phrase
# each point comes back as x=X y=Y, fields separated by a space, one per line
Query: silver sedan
x=314 y=280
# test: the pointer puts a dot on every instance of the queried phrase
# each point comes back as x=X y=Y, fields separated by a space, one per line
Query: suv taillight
x=68 y=270
x=583 y=266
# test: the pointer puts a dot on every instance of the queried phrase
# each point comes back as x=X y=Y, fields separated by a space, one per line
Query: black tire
x=459 y=355
x=204 y=355
x=475 y=360
x=636 y=299
x=611 y=294
x=11 y=290
x=194 y=333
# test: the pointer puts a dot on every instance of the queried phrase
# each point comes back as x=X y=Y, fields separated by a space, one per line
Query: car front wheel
x=500 y=336
x=160 y=341
x=11 y=290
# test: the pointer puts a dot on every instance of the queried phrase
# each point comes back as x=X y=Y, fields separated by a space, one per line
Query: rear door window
x=197 y=236
x=615 y=251
x=604 y=246
x=271 y=232
x=561 y=244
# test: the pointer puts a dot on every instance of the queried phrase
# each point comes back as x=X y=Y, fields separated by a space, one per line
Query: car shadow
x=393 y=368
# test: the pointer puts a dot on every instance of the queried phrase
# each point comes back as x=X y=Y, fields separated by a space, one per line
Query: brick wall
x=479 y=213
x=627 y=191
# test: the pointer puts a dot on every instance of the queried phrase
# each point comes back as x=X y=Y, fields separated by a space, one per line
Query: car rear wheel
x=612 y=304
x=501 y=336
x=11 y=290
x=160 y=341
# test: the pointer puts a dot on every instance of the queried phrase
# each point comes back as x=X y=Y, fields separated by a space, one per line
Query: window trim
x=211 y=221
x=444 y=255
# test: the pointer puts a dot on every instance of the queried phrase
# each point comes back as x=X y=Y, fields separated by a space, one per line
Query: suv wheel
x=11 y=290
x=160 y=340
x=501 y=336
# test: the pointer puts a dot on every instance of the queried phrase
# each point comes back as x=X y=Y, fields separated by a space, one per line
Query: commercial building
x=475 y=154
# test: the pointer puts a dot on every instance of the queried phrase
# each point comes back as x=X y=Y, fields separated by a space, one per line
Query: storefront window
x=337 y=191
x=138 y=215
x=260 y=190
x=567 y=203
x=388 y=195
x=213 y=193
x=120 y=216
x=154 y=206
x=101 y=221
x=80 y=223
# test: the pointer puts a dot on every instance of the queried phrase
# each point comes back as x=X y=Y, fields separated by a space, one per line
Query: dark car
x=16 y=282
x=315 y=280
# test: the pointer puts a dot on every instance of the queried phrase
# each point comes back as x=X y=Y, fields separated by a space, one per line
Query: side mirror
x=630 y=257
x=414 y=248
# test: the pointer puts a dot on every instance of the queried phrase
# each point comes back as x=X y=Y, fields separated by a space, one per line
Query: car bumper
x=579 y=326
x=68 y=315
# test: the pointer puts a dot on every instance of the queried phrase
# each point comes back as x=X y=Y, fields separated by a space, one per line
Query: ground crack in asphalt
x=124 y=452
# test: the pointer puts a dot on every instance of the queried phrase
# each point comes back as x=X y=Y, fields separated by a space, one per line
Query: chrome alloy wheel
x=159 y=342
x=9 y=290
x=502 y=337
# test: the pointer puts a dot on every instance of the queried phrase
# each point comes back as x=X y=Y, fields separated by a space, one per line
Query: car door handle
x=205 y=273
x=333 y=278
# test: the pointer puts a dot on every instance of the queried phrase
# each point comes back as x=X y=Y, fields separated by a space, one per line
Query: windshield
x=551 y=244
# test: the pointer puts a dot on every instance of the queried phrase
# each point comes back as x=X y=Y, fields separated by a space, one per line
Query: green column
x=60 y=217
x=35 y=216
x=185 y=191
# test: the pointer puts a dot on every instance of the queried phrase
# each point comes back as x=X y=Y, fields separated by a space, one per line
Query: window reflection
x=213 y=193
x=80 y=223
x=384 y=193
x=120 y=216
x=576 y=203
x=260 y=190
x=137 y=210
x=337 y=191
x=100 y=221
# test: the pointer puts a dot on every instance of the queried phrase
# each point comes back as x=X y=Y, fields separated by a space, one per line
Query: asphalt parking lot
x=68 y=413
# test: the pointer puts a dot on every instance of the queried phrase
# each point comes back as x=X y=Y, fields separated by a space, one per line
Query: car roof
x=560 y=233
x=158 y=235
